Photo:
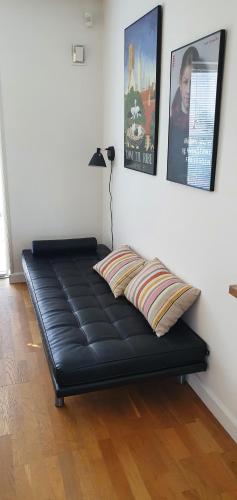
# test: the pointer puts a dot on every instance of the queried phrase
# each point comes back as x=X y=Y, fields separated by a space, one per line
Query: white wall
x=192 y=231
x=51 y=119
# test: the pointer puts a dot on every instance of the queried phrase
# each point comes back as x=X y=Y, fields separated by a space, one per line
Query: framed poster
x=142 y=49
x=195 y=92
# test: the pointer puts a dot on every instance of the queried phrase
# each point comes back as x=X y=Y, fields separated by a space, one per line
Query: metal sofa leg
x=182 y=379
x=59 y=402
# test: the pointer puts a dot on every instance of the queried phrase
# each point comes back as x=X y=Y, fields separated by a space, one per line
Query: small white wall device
x=78 y=54
x=88 y=19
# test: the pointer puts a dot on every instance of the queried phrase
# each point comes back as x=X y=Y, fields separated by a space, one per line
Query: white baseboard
x=16 y=278
x=219 y=410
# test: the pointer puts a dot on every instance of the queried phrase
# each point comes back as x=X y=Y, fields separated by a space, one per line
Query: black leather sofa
x=92 y=340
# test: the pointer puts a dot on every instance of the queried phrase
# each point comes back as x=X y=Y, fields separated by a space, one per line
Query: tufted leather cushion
x=89 y=335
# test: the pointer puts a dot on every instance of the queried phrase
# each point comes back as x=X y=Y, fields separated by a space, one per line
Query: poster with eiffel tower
x=142 y=53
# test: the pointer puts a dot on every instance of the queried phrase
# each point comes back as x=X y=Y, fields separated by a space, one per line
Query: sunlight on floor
x=34 y=345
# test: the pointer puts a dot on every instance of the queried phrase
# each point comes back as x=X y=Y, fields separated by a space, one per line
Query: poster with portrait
x=142 y=49
x=195 y=90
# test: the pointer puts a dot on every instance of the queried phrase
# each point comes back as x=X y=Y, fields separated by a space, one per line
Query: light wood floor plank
x=7 y=477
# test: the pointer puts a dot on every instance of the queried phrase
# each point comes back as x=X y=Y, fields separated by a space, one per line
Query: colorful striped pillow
x=119 y=267
x=160 y=296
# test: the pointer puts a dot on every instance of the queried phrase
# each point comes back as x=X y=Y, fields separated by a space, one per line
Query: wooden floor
x=147 y=441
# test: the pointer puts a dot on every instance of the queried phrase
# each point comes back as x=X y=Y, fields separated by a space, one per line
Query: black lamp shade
x=97 y=159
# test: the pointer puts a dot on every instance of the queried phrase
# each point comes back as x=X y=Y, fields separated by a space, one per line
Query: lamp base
x=110 y=153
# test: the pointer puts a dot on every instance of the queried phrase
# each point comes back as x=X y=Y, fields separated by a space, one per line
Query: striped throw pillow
x=160 y=296
x=119 y=267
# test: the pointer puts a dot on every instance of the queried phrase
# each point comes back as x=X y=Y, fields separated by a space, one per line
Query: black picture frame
x=142 y=58
x=194 y=114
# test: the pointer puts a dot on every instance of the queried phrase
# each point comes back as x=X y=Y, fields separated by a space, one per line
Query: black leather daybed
x=92 y=340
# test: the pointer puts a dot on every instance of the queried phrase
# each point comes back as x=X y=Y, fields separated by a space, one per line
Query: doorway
x=4 y=250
